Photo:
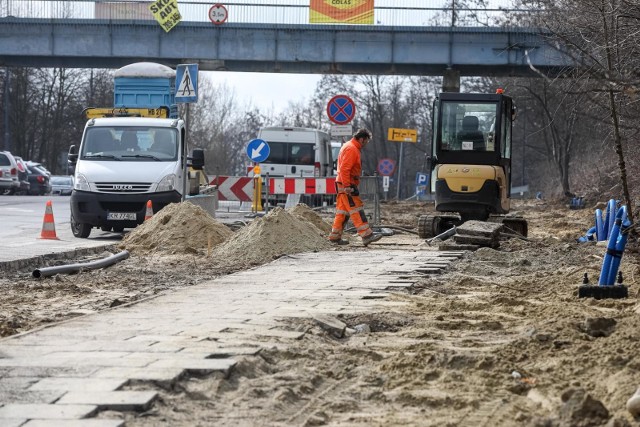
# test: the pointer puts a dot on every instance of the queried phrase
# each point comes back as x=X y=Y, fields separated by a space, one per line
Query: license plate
x=121 y=216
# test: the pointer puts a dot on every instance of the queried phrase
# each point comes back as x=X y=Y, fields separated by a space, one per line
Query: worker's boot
x=339 y=242
x=373 y=237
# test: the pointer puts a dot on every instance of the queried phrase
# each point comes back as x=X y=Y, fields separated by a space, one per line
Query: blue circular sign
x=341 y=109
x=386 y=167
x=258 y=150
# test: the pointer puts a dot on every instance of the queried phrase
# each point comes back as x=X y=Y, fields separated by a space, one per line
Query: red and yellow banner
x=341 y=12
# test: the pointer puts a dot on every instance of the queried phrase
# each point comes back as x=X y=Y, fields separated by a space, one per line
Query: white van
x=297 y=152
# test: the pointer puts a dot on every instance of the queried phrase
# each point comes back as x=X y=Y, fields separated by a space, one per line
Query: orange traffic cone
x=48 y=225
x=149 y=212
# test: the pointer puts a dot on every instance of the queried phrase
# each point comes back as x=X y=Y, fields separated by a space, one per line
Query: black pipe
x=74 y=268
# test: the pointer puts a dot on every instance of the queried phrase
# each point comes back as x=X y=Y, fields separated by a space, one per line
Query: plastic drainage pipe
x=616 y=257
x=600 y=235
x=611 y=217
x=589 y=236
x=74 y=268
x=611 y=249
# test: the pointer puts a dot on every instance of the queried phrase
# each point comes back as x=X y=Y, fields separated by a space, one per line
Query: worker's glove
x=354 y=191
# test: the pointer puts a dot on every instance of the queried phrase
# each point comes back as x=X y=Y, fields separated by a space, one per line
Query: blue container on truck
x=145 y=85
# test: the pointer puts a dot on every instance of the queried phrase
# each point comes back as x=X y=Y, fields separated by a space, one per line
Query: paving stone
x=13 y=422
x=91 y=422
x=28 y=396
x=216 y=350
x=45 y=411
x=202 y=366
x=79 y=384
x=142 y=374
x=13 y=383
x=113 y=400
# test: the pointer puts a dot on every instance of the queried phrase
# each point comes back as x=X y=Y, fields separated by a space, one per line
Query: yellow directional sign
x=166 y=13
x=96 y=113
x=402 y=135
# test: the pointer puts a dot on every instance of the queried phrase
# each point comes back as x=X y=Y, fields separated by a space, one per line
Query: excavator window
x=468 y=126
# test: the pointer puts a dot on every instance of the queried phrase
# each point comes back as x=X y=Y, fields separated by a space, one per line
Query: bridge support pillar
x=451 y=80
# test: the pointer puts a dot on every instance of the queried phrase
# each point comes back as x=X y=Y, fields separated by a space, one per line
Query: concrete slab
x=44 y=411
x=79 y=384
x=13 y=422
x=142 y=374
x=75 y=423
x=112 y=400
x=200 y=366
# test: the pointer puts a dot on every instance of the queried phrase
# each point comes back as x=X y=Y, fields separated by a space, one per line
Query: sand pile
x=178 y=228
x=277 y=233
x=305 y=213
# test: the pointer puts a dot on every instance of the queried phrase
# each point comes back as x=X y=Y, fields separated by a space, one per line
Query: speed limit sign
x=218 y=14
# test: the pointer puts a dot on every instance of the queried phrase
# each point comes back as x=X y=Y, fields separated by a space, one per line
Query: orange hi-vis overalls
x=349 y=205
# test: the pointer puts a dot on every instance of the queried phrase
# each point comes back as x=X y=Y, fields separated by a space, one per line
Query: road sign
x=341 y=130
x=218 y=14
x=258 y=150
x=166 y=13
x=385 y=183
x=187 y=83
x=402 y=135
x=422 y=178
x=386 y=167
x=341 y=109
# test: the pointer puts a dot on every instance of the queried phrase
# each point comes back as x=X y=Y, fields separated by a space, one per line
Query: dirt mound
x=277 y=233
x=176 y=229
x=305 y=213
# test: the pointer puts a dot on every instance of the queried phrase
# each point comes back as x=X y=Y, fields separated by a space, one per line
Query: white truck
x=132 y=153
x=124 y=162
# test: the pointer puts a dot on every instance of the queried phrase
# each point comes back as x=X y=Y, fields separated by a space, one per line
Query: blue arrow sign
x=258 y=150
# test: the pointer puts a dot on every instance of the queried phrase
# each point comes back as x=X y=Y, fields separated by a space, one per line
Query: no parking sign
x=386 y=167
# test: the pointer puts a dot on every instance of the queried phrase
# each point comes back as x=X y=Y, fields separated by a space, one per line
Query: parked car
x=61 y=184
x=9 y=182
x=38 y=179
x=23 y=176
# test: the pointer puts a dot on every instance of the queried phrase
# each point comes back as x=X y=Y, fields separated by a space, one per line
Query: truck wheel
x=80 y=230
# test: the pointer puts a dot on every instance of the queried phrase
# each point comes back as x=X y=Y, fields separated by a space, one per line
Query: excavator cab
x=471 y=162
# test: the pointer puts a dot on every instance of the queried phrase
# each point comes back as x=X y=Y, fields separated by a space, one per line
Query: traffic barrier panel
x=302 y=185
x=238 y=188
x=48 y=224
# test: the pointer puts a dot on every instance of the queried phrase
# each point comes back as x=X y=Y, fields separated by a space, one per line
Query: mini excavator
x=471 y=162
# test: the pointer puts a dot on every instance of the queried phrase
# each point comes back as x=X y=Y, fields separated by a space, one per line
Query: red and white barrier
x=302 y=185
x=234 y=188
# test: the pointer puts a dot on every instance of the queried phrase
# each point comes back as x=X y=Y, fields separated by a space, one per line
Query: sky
x=268 y=90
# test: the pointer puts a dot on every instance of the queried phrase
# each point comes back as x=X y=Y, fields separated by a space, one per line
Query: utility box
x=145 y=85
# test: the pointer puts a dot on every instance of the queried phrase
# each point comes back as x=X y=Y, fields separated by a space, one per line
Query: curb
x=20 y=264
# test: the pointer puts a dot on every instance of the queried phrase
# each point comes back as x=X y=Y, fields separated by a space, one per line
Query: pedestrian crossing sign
x=187 y=83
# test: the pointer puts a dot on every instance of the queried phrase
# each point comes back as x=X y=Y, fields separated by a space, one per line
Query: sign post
x=401 y=135
x=258 y=151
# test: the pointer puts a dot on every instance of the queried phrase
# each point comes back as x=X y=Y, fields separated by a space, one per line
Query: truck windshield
x=133 y=144
x=296 y=153
x=468 y=126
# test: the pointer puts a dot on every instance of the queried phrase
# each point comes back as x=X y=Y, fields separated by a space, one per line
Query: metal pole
x=266 y=198
x=400 y=169
x=7 y=106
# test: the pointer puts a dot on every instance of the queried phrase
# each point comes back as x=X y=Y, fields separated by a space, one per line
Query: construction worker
x=348 y=202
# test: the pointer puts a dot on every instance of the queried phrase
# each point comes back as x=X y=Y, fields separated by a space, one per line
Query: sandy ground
x=500 y=339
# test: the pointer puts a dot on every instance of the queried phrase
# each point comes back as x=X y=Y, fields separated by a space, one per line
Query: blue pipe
x=616 y=258
x=600 y=235
x=611 y=216
x=589 y=236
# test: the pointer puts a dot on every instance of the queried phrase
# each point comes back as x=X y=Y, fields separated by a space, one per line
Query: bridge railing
x=273 y=12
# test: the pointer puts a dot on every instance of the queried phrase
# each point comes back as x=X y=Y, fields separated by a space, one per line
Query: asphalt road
x=21 y=219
